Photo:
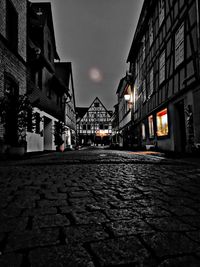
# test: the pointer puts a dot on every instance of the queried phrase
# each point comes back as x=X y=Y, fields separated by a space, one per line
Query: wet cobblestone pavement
x=99 y=208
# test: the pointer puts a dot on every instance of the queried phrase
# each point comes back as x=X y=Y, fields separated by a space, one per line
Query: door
x=180 y=127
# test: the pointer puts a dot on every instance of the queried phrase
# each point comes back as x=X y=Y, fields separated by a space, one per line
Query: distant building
x=13 y=28
x=165 y=64
x=47 y=91
x=94 y=126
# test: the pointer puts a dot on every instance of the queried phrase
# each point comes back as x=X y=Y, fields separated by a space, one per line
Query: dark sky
x=95 y=35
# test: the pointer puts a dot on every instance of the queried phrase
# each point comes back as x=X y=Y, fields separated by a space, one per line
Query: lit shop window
x=162 y=123
x=151 y=128
x=143 y=131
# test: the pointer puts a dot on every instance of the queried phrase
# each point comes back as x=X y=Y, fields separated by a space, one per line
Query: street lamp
x=127 y=97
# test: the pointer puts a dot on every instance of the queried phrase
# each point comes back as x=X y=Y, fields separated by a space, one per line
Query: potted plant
x=59 y=130
x=14 y=117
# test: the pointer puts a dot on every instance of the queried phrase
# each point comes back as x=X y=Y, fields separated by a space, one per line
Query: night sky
x=95 y=35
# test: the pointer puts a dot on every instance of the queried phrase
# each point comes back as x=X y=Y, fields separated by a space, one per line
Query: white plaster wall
x=34 y=142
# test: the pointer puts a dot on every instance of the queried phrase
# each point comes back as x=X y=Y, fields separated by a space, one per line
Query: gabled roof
x=97 y=99
x=45 y=15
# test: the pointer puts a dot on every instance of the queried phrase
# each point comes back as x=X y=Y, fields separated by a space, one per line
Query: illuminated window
x=151 y=128
x=161 y=12
x=162 y=67
x=143 y=131
x=179 y=45
x=162 y=123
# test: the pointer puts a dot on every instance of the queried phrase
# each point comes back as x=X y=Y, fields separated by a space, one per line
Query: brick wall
x=13 y=62
x=21 y=8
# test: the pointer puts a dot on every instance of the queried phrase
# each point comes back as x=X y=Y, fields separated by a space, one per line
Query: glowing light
x=95 y=75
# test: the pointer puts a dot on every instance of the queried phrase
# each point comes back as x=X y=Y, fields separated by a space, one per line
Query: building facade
x=46 y=90
x=13 y=14
x=94 y=126
x=165 y=66
x=64 y=72
x=124 y=97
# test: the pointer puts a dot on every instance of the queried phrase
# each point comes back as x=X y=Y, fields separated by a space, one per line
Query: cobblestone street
x=99 y=208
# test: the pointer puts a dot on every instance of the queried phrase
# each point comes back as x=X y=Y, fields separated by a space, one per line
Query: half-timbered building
x=165 y=67
x=94 y=126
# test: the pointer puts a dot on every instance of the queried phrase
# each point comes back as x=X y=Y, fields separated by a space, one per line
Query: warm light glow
x=162 y=123
x=151 y=127
x=95 y=74
x=127 y=97
x=102 y=133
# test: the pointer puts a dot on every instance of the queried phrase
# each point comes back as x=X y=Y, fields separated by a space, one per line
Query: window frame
x=179 y=45
x=162 y=63
x=151 y=126
x=159 y=129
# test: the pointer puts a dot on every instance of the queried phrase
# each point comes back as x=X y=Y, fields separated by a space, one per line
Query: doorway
x=180 y=127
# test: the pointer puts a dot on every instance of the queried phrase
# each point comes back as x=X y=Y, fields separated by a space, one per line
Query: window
x=96 y=105
x=151 y=82
x=101 y=126
x=150 y=32
x=11 y=25
x=89 y=127
x=179 y=46
x=151 y=127
x=162 y=123
x=144 y=91
x=161 y=12
x=106 y=127
x=84 y=126
x=143 y=131
x=143 y=48
x=162 y=68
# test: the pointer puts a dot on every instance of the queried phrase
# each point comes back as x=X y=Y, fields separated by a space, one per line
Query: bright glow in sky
x=95 y=75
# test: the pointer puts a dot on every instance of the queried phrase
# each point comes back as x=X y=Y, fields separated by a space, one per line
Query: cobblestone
x=99 y=208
